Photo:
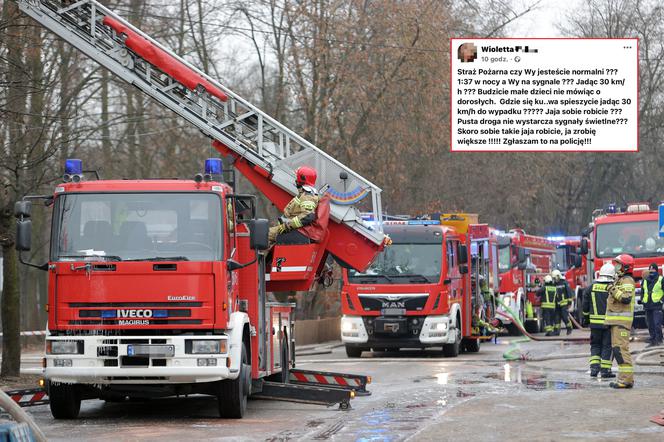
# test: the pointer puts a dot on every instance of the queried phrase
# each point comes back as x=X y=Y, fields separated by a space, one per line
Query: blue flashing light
x=109 y=313
x=213 y=166
x=612 y=208
x=556 y=238
x=160 y=313
x=73 y=167
x=423 y=222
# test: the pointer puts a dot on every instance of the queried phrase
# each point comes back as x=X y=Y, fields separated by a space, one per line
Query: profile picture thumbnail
x=467 y=52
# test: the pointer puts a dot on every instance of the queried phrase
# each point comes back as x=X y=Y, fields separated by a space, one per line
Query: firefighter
x=594 y=314
x=619 y=316
x=563 y=302
x=547 y=295
x=301 y=210
x=652 y=303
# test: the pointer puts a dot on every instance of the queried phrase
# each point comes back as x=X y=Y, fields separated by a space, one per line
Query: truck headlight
x=439 y=326
x=348 y=325
x=64 y=347
x=205 y=346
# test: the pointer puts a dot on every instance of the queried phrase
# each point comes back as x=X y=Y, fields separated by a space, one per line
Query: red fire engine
x=633 y=230
x=574 y=265
x=158 y=287
x=523 y=260
x=425 y=290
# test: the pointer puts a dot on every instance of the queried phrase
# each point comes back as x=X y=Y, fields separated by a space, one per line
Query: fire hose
x=15 y=410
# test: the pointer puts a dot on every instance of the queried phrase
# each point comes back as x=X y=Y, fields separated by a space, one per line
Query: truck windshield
x=137 y=227
x=403 y=264
x=563 y=258
x=638 y=238
x=504 y=259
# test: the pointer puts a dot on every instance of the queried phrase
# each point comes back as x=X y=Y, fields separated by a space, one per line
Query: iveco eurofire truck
x=633 y=230
x=523 y=261
x=423 y=290
x=158 y=287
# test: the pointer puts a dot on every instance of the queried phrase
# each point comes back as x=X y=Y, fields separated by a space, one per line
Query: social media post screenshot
x=544 y=95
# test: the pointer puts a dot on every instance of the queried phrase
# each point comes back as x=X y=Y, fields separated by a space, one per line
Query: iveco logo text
x=134 y=313
x=181 y=298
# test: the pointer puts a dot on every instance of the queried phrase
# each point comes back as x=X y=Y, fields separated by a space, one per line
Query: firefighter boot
x=607 y=373
x=594 y=371
x=620 y=385
x=569 y=331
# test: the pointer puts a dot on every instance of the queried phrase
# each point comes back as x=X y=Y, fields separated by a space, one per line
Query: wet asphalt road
x=411 y=393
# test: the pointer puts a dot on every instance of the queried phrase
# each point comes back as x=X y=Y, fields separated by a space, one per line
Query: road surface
x=415 y=395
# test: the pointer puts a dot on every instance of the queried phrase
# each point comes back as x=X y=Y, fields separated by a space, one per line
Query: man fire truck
x=158 y=287
x=425 y=290
x=631 y=230
x=523 y=260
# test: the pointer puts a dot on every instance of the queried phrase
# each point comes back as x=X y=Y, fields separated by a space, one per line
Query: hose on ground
x=16 y=412
x=642 y=357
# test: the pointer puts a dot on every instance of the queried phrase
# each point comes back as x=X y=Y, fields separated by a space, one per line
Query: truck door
x=453 y=274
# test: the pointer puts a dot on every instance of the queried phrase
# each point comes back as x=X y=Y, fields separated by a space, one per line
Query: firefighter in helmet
x=594 y=314
x=619 y=316
x=301 y=210
x=563 y=302
x=548 y=297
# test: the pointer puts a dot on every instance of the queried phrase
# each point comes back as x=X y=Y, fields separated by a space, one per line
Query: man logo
x=399 y=304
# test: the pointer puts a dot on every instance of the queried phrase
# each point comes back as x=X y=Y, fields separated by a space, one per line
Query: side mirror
x=23 y=235
x=23 y=209
x=463 y=254
x=584 y=246
x=522 y=265
x=463 y=269
x=521 y=256
x=258 y=236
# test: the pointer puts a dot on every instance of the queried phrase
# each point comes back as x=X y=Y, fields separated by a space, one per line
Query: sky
x=542 y=21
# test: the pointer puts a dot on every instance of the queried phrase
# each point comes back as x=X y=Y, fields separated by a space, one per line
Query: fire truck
x=160 y=287
x=634 y=230
x=425 y=290
x=523 y=260
x=574 y=265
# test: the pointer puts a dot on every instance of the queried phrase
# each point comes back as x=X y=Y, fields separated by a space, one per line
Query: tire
x=353 y=352
x=532 y=326
x=471 y=345
x=232 y=394
x=64 y=400
x=285 y=361
x=452 y=350
x=512 y=328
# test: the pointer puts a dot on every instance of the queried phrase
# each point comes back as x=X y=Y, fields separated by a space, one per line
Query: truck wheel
x=452 y=350
x=353 y=352
x=471 y=345
x=512 y=328
x=232 y=393
x=64 y=400
x=532 y=326
x=285 y=361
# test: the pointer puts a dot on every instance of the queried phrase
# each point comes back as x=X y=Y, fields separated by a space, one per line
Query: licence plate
x=393 y=311
x=151 y=350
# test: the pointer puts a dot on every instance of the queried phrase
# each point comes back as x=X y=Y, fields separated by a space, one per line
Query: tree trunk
x=11 y=309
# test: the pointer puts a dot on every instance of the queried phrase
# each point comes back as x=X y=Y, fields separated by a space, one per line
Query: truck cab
x=633 y=230
x=414 y=294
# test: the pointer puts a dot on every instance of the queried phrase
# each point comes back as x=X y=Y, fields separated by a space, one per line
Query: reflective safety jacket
x=594 y=304
x=652 y=296
x=300 y=211
x=565 y=294
x=620 y=304
x=549 y=295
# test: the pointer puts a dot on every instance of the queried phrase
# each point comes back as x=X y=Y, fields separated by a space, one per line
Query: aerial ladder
x=265 y=151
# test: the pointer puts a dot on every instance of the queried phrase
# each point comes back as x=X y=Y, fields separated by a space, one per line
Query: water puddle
x=532 y=380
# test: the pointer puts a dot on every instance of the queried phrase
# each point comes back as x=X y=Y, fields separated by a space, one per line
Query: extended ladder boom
x=239 y=127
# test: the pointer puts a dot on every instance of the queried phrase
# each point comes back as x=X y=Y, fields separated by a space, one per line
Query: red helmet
x=626 y=263
x=305 y=176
